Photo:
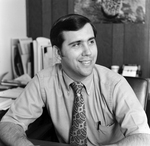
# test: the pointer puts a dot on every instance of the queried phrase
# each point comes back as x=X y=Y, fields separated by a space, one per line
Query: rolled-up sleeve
x=27 y=107
x=128 y=110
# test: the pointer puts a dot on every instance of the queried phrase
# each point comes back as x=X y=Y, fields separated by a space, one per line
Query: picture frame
x=109 y=11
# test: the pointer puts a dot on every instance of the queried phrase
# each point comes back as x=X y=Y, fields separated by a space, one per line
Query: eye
x=91 y=42
x=77 y=44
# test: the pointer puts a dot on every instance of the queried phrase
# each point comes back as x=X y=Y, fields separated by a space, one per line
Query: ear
x=57 y=52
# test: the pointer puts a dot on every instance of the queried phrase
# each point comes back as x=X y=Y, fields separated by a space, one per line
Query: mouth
x=86 y=62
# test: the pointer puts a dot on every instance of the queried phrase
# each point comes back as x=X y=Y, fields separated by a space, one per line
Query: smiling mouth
x=86 y=62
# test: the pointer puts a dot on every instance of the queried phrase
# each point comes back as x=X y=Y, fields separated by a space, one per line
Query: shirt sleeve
x=27 y=107
x=128 y=111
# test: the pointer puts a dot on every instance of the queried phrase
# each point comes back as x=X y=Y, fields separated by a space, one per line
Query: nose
x=86 y=50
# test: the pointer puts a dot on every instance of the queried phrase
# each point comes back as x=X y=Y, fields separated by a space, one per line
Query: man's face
x=79 y=52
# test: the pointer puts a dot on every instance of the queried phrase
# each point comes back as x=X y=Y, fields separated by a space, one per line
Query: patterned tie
x=78 y=133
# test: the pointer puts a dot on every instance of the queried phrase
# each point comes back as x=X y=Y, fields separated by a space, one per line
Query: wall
x=118 y=44
x=12 y=25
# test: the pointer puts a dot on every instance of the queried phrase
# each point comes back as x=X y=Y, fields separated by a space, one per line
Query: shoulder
x=49 y=75
x=106 y=76
x=50 y=71
x=108 y=82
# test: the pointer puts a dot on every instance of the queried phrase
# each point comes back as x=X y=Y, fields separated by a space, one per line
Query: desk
x=47 y=143
x=44 y=143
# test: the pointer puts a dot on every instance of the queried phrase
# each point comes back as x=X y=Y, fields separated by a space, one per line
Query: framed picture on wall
x=112 y=11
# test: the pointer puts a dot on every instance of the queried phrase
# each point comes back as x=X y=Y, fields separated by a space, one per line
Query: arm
x=13 y=135
x=134 y=140
x=28 y=104
x=132 y=118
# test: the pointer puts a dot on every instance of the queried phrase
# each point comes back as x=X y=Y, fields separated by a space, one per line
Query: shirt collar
x=87 y=82
x=67 y=80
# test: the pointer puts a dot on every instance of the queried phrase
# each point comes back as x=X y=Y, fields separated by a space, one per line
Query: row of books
x=30 y=56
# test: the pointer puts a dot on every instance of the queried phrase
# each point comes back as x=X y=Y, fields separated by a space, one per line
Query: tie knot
x=77 y=87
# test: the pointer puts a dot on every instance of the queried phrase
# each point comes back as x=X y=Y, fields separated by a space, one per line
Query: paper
x=25 y=59
x=24 y=79
x=46 y=56
x=25 y=45
x=130 y=71
x=14 y=43
x=5 y=103
x=41 y=42
x=35 y=57
x=11 y=93
x=2 y=76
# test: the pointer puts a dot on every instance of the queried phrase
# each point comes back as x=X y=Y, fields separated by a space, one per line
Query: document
x=11 y=93
x=5 y=103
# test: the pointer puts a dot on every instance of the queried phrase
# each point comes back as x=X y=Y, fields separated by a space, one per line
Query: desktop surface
x=47 y=143
x=43 y=143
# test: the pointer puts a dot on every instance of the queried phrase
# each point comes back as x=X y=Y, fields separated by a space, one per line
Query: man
x=114 y=115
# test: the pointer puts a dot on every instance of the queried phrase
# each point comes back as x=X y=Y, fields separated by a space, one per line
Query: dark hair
x=71 y=22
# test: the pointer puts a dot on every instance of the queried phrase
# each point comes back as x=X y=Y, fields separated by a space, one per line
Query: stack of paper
x=5 y=103
x=11 y=93
x=8 y=96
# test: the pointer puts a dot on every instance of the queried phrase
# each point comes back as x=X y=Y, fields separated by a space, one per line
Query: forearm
x=13 y=135
x=134 y=140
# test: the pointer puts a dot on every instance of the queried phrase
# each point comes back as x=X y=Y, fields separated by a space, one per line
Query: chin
x=86 y=73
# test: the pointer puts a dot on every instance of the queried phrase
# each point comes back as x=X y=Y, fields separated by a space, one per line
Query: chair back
x=140 y=87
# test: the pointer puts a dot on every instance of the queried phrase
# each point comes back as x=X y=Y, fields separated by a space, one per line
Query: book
x=31 y=60
x=21 y=56
x=16 y=62
x=25 y=49
x=34 y=55
x=34 y=58
x=14 y=54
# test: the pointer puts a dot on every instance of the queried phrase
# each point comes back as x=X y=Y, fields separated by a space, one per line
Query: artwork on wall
x=112 y=11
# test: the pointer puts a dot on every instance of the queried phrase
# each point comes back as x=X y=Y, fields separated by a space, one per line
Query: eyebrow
x=79 y=41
